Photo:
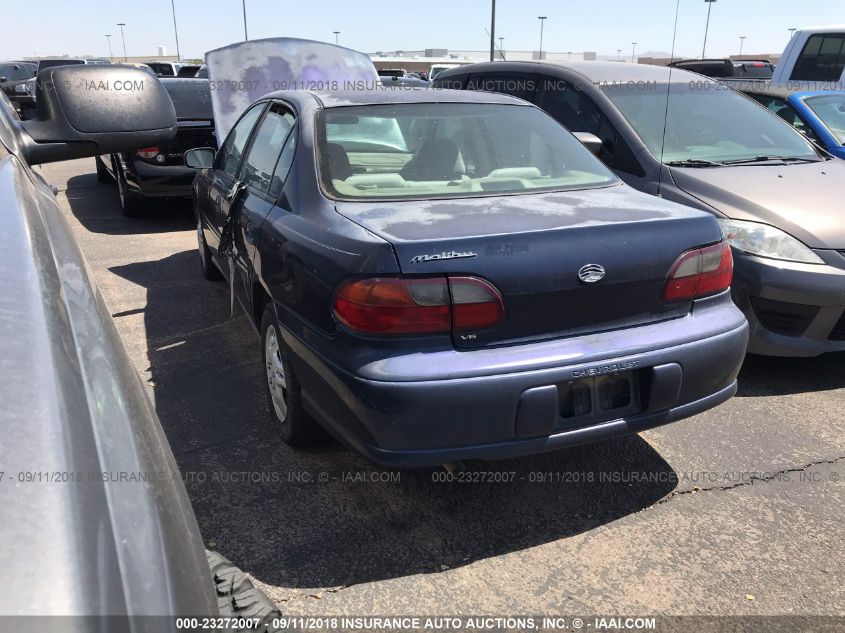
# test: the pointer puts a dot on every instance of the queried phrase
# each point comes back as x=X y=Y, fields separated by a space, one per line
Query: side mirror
x=199 y=158
x=87 y=110
x=591 y=141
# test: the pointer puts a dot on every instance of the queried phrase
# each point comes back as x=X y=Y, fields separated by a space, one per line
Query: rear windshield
x=163 y=69
x=191 y=98
x=49 y=63
x=437 y=150
x=705 y=123
x=831 y=110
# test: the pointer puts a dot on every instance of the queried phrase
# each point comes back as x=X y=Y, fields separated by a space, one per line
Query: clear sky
x=78 y=27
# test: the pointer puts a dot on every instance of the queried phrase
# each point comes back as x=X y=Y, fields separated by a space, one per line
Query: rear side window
x=229 y=156
x=514 y=84
x=823 y=58
x=266 y=148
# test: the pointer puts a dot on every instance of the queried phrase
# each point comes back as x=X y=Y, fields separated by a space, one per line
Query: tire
x=237 y=596
x=103 y=174
x=131 y=203
x=207 y=268
x=286 y=411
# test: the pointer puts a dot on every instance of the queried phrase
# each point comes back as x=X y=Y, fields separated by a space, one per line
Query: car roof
x=599 y=71
x=404 y=94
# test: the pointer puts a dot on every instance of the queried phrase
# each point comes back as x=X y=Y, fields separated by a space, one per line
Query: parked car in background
x=727 y=68
x=777 y=197
x=436 y=69
x=188 y=70
x=58 y=61
x=391 y=72
x=165 y=69
x=15 y=82
x=813 y=57
x=403 y=82
x=411 y=259
x=819 y=115
x=159 y=171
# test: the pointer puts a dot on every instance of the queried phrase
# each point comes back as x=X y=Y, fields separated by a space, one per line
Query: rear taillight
x=700 y=272
x=389 y=305
x=148 y=152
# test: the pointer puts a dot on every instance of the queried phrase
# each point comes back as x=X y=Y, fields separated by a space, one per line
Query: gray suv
x=776 y=196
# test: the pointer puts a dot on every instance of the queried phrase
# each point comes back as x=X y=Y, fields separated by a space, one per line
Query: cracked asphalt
x=738 y=511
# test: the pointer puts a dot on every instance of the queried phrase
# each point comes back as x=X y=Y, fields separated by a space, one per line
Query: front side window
x=705 y=125
x=229 y=156
x=822 y=59
x=438 y=150
x=579 y=113
x=831 y=110
x=264 y=152
x=785 y=111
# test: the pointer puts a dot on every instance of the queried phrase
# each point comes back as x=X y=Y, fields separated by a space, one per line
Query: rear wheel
x=103 y=174
x=131 y=203
x=289 y=417
x=209 y=270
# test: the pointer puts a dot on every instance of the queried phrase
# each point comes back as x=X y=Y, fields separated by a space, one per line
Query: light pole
x=741 y=44
x=123 y=39
x=542 y=19
x=175 y=30
x=619 y=54
x=246 y=37
x=108 y=39
x=336 y=34
x=706 y=27
x=502 y=47
x=792 y=32
x=633 y=52
x=492 y=30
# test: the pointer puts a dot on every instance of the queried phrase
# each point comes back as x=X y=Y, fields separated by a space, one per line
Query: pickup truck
x=813 y=59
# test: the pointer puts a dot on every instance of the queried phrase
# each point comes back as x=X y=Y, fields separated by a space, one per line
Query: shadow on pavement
x=97 y=207
x=774 y=376
x=325 y=517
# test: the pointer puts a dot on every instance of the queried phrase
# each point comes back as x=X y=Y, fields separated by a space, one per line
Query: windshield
x=428 y=150
x=191 y=99
x=707 y=123
x=831 y=110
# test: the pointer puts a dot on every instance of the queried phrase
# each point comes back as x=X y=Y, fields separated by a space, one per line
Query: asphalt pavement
x=738 y=511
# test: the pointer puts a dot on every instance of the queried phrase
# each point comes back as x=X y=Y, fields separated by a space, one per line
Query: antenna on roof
x=668 y=94
x=501 y=52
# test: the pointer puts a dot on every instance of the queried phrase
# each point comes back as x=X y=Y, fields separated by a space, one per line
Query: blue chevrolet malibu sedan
x=819 y=115
x=445 y=275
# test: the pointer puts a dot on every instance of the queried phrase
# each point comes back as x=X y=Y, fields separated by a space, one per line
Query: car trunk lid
x=532 y=247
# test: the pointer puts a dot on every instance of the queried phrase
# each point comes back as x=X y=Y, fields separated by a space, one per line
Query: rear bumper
x=792 y=309
x=463 y=410
x=160 y=181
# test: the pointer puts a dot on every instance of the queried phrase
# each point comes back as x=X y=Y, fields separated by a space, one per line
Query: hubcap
x=276 y=374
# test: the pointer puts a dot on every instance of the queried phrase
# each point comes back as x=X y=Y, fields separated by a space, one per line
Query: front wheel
x=288 y=416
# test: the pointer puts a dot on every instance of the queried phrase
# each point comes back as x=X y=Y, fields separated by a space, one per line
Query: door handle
x=234 y=192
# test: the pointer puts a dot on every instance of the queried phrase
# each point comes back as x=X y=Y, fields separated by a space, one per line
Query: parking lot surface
x=738 y=511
